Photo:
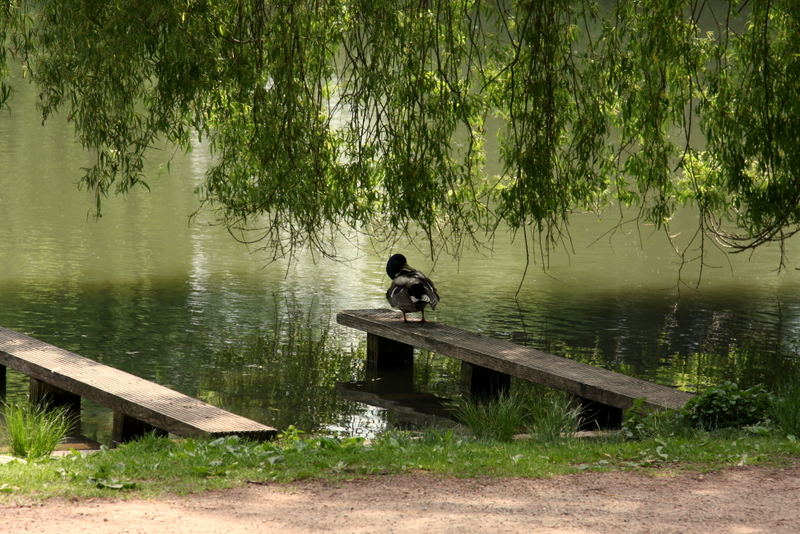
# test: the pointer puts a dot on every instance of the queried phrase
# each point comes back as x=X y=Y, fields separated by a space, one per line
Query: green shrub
x=727 y=406
x=34 y=431
x=641 y=423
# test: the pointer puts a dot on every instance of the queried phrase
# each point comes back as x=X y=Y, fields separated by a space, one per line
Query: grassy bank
x=725 y=426
x=153 y=466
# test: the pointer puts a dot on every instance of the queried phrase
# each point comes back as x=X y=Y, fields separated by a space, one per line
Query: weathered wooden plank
x=123 y=392
x=582 y=380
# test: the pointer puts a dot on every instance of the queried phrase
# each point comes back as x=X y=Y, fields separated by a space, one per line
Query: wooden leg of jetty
x=390 y=364
x=127 y=428
x=42 y=393
x=483 y=383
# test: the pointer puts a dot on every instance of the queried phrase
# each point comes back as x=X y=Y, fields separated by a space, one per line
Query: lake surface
x=180 y=302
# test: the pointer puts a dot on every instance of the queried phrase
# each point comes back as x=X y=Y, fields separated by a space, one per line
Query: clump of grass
x=496 y=418
x=553 y=415
x=547 y=415
x=785 y=407
x=34 y=430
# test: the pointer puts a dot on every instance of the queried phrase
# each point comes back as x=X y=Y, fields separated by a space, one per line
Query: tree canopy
x=451 y=118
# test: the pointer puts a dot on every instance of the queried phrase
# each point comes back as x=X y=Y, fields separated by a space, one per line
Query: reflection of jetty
x=488 y=364
x=407 y=406
x=140 y=406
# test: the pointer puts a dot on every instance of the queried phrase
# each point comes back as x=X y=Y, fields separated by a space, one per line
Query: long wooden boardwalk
x=139 y=405
x=386 y=332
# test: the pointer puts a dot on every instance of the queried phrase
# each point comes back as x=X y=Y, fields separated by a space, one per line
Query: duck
x=411 y=290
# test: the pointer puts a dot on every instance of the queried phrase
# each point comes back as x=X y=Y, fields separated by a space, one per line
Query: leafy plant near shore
x=33 y=431
x=723 y=407
x=727 y=406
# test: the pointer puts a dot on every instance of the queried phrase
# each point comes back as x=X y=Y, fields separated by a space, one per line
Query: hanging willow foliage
x=332 y=115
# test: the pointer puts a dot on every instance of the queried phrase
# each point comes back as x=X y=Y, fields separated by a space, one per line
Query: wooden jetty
x=139 y=405
x=488 y=364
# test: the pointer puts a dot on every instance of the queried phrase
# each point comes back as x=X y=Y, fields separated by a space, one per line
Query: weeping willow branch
x=333 y=117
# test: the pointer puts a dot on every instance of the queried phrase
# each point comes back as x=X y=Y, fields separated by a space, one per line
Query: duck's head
x=396 y=264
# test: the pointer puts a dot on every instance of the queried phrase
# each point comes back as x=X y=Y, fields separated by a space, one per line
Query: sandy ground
x=736 y=500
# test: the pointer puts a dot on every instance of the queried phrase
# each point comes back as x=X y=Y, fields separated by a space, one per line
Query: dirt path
x=738 y=500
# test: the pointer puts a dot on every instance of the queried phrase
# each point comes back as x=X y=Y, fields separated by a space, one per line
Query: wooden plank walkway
x=133 y=399
x=579 y=379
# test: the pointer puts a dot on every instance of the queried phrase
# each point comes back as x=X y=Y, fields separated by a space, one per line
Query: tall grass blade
x=34 y=431
x=493 y=419
x=554 y=415
x=786 y=408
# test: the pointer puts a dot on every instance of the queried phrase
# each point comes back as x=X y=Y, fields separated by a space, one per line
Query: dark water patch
x=688 y=340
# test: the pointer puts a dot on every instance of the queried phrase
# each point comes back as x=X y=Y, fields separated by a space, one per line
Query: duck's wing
x=398 y=297
x=411 y=291
x=424 y=291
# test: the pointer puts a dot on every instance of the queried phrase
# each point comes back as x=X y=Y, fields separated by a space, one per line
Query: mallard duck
x=411 y=290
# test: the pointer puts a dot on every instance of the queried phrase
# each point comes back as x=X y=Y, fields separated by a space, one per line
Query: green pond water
x=180 y=302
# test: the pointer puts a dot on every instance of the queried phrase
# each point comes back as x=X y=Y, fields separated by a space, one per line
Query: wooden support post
x=599 y=416
x=482 y=382
x=55 y=397
x=390 y=364
x=384 y=352
x=127 y=428
x=3 y=383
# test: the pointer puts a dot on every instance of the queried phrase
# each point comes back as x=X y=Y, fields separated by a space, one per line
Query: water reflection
x=181 y=303
x=689 y=341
